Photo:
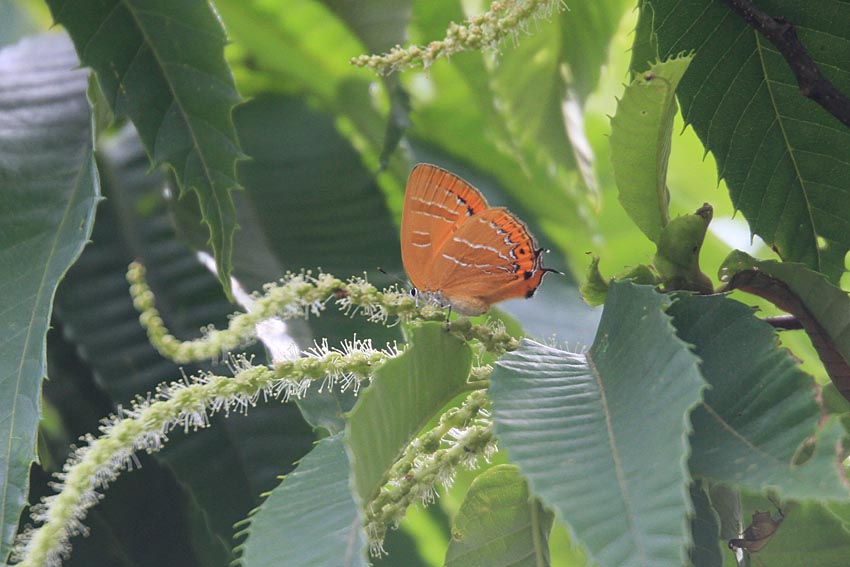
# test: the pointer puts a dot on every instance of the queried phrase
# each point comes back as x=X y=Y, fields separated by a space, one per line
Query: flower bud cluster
x=299 y=296
x=463 y=434
x=295 y=296
x=505 y=18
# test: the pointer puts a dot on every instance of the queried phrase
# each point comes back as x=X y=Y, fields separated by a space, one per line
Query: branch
x=784 y=322
x=782 y=34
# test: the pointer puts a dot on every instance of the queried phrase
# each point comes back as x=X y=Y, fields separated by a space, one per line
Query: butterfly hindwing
x=492 y=256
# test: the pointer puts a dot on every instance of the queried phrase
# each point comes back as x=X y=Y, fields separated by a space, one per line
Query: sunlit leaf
x=574 y=425
x=782 y=156
x=641 y=132
x=404 y=395
x=499 y=524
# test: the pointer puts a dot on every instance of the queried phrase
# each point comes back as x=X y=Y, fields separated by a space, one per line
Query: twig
x=782 y=34
x=784 y=322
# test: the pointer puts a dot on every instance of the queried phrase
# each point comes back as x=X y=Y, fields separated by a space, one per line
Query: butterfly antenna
x=537 y=253
x=395 y=277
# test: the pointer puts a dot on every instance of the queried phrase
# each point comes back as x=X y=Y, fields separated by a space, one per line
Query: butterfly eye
x=413 y=292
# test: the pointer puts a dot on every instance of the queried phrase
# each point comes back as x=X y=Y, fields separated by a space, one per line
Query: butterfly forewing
x=436 y=204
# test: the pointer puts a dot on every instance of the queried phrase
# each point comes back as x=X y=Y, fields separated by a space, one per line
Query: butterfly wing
x=490 y=258
x=436 y=204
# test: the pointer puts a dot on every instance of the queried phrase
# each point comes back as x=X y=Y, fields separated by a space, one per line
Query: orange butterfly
x=459 y=250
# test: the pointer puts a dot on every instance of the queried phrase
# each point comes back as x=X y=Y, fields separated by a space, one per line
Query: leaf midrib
x=183 y=113
x=618 y=467
x=38 y=295
x=789 y=148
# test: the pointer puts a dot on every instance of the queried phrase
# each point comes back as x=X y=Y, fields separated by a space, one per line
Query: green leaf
x=308 y=203
x=499 y=524
x=594 y=290
x=243 y=454
x=311 y=518
x=48 y=192
x=602 y=436
x=587 y=29
x=822 y=308
x=161 y=63
x=645 y=43
x=380 y=24
x=405 y=394
x=641 y=133
x=329 y=213
x=317 y=64
x=782 y=156
x=677 y=258
x=705 y=530
x=760 y=408
x=73 y=407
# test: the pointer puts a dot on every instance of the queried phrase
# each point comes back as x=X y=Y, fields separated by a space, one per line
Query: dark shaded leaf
x=161 y=63
x=818 y=305
x=48 y=192
x=311 y=518
x=705 y=530
x=309 y=203
x=143 y=506
x=760 y=408
x=241 y=455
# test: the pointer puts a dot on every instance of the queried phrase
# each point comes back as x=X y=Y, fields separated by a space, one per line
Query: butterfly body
x=459 y=250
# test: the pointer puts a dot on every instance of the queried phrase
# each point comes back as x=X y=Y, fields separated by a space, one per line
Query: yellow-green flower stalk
x=186 y=404
x=299 y=296
x=505 y=18
x=462 y=436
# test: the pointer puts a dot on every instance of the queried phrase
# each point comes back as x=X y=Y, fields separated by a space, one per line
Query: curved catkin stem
x=505 y=18
x=188 y=404
x=297 y=296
